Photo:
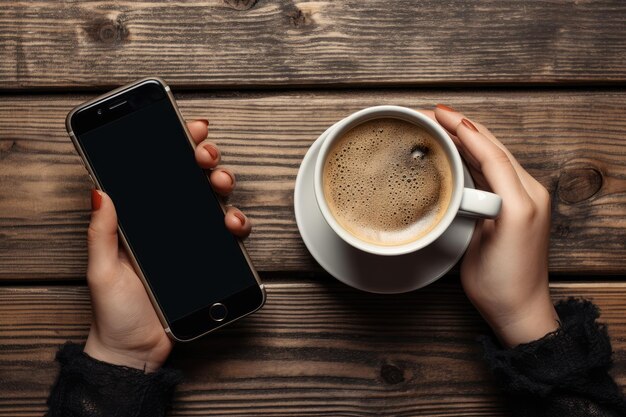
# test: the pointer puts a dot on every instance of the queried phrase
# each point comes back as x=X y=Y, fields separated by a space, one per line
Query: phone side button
x=218 y=312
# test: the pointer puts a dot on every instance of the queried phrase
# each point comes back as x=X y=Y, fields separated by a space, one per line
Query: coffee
x=387 y=181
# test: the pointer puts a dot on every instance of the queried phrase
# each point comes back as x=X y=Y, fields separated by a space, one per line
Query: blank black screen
x=167 y=210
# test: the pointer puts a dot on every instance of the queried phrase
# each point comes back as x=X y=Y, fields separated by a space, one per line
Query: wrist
x=129 y=358
x=531 y=323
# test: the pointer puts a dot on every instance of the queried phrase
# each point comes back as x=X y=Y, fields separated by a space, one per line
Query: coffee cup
x=389 y=181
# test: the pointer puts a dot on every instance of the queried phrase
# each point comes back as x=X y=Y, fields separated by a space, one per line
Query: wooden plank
x=571 y=141
x=234 y=43
x=314 y=349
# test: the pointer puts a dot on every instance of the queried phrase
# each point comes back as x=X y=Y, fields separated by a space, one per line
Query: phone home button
x=218 y=311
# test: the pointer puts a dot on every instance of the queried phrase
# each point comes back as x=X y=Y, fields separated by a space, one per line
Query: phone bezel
x=254 y=295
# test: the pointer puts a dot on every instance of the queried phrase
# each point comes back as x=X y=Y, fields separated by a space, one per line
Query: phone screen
x=166 y=208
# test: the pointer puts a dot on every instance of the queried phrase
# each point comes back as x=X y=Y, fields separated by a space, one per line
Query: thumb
x=102 y=237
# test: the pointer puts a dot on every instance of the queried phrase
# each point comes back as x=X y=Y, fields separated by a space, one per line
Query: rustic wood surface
x=234 y=43
x=572 y=141
x=315 y=349
x=547 y=77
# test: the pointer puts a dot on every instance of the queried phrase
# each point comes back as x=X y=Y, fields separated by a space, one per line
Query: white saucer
x=364 y=271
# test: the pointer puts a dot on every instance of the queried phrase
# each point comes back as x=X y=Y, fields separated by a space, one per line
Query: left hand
x=125 y=329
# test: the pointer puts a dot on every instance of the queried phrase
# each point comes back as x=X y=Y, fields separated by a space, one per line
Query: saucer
x=365 y=271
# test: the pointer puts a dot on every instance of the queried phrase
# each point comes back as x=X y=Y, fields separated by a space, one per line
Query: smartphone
x=136 y=148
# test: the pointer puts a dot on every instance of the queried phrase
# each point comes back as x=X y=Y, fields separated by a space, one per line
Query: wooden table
x=547 y=77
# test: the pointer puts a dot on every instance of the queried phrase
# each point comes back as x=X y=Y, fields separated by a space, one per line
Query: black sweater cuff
x=89 y=387
x=571 y=362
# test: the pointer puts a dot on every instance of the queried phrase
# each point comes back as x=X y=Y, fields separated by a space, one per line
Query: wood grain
x=314 y=349
x=571 y=141
x=234 y=43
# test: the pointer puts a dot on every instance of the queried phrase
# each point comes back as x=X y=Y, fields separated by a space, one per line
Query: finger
x=208 y=155
x=102 y=237
x=471 y=161
x=199 y=130
x=450 y=119
x=467 y=157
x=431 y=115
x=529 y=182
x=474 y=169
x=479 y=179
x=237 y=222
x=223 y=181
x=494 y=164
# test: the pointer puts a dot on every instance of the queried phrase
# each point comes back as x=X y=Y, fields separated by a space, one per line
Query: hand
x=125 y=329
x=505 y=269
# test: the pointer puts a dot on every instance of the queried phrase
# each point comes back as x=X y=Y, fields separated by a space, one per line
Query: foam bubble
x=390 y=187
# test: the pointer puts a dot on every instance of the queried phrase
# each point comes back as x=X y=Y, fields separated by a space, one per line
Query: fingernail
x=205 y=121
x=232 y=180
x=444 y=107
x=241 y=217
x=96 y=200
x=212 y=151
x=469 y=125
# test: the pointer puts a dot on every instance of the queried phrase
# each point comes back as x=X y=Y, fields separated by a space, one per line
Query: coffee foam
x=387 y=181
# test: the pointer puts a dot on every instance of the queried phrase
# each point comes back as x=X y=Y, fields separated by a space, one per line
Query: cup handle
x=478 y=203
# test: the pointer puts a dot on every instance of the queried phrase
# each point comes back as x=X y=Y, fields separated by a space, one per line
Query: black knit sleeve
x=564 y=373
x=88 y=387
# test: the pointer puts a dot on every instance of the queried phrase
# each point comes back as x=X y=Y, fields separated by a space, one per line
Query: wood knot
x=107 y=31
x=6 y=147
x=240 y=4
x=563 y=231
x=578 y=184
x=297 y=18
x=392 y=375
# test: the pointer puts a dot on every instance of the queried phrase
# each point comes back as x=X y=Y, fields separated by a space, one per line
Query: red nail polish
x=469 y=125
x=205 y=121
x=444 y=107
x=212 y=151
x=241 y=217
x=96 y=199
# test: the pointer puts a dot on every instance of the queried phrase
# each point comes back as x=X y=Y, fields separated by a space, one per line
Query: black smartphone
x=137 y=149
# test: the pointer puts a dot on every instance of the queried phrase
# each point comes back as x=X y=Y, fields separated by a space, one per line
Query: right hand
x=505 y=269
x=125 y=329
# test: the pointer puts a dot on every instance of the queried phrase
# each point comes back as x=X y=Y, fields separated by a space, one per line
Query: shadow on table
x=330 y=343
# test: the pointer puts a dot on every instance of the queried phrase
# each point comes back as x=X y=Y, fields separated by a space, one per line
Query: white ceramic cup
x=463 y=201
